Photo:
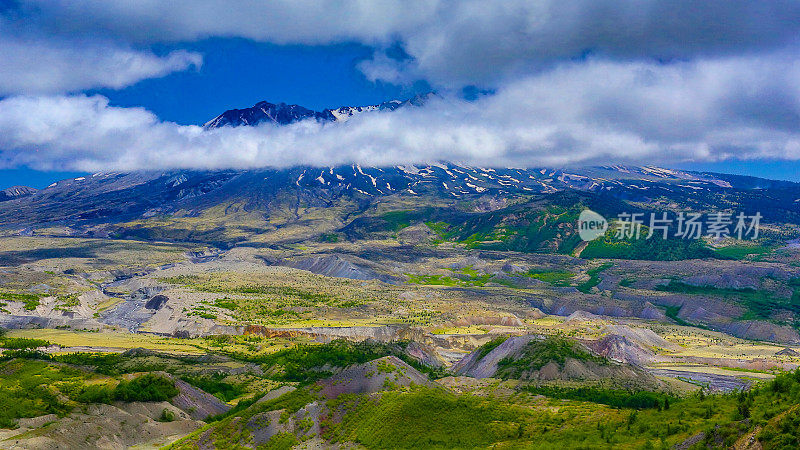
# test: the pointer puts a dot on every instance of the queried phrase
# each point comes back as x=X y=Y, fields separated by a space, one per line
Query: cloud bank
x=589 y=112
x=451 y=42
x=574 y=82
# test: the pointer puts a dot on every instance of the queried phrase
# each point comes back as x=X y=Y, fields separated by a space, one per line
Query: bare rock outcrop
x=121 y=425
x=787 y=352
x=198 y=404
x=621 y=349
x=763 y=331
x=333 y=265
x=156 y=302
x=645 y=337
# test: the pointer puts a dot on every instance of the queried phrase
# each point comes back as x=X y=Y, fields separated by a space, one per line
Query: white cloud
x=577 y=81
x=475 y=42
x=452 y=42
x=39 y=66
x=579 y=113
x=278 y=21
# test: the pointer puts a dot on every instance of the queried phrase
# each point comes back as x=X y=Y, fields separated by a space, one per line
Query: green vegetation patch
x=522 y=229
x=29 y=389
x=226 y=303
x=202 y=313
x=330 y=238
x=428 y=418
x=433 y=280
x=22 y=343
x=146 y=388
x=32 y=387
x=102 y=363
x=593 y=418
x=554 y=277
x=30 y=301
x=616 y=398
x=441 y=230
x=486 y=348
x=783 y=433
x=267 y=299
x=397 y=220
x=307 y=363
x=466 y=276
x=228 y=429
x=68 y=301
x=594 y=278
x=654 y=249
x=740 y=252
x=760 y=304
x=291 y=401
x=216 y=386
x=672 y=313
x=192 y=369
x=281 y=441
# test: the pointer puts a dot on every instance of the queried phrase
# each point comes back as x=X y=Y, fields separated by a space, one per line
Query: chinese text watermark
x=715 y=225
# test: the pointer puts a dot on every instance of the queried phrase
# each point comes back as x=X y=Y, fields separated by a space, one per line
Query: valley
x=311 y=318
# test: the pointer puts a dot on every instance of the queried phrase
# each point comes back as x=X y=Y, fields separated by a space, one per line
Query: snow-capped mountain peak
x=283 y=114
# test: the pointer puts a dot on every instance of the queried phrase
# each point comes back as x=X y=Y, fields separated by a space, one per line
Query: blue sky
x=773 y=170
x=118 y=86
x=238 y=73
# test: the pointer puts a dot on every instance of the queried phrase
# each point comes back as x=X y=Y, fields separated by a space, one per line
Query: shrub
x=102 y=363
x=612 y=397
x=226 y=303
x=25 y=353
x=281 y=441
x=95 y=393
x=215 y=386
x=166 y=416
x=146 y=388
x=22 y=343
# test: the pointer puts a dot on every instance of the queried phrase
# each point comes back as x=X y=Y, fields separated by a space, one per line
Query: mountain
x=16 y=192
x=102 y=200
x=283 y=114
x=117 y=197
x=261 y=112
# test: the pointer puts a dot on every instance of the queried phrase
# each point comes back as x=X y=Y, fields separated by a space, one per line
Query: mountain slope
x=116 y=197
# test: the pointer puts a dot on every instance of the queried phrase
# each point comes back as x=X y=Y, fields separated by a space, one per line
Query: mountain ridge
x=110 y=197
x=285 y=114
